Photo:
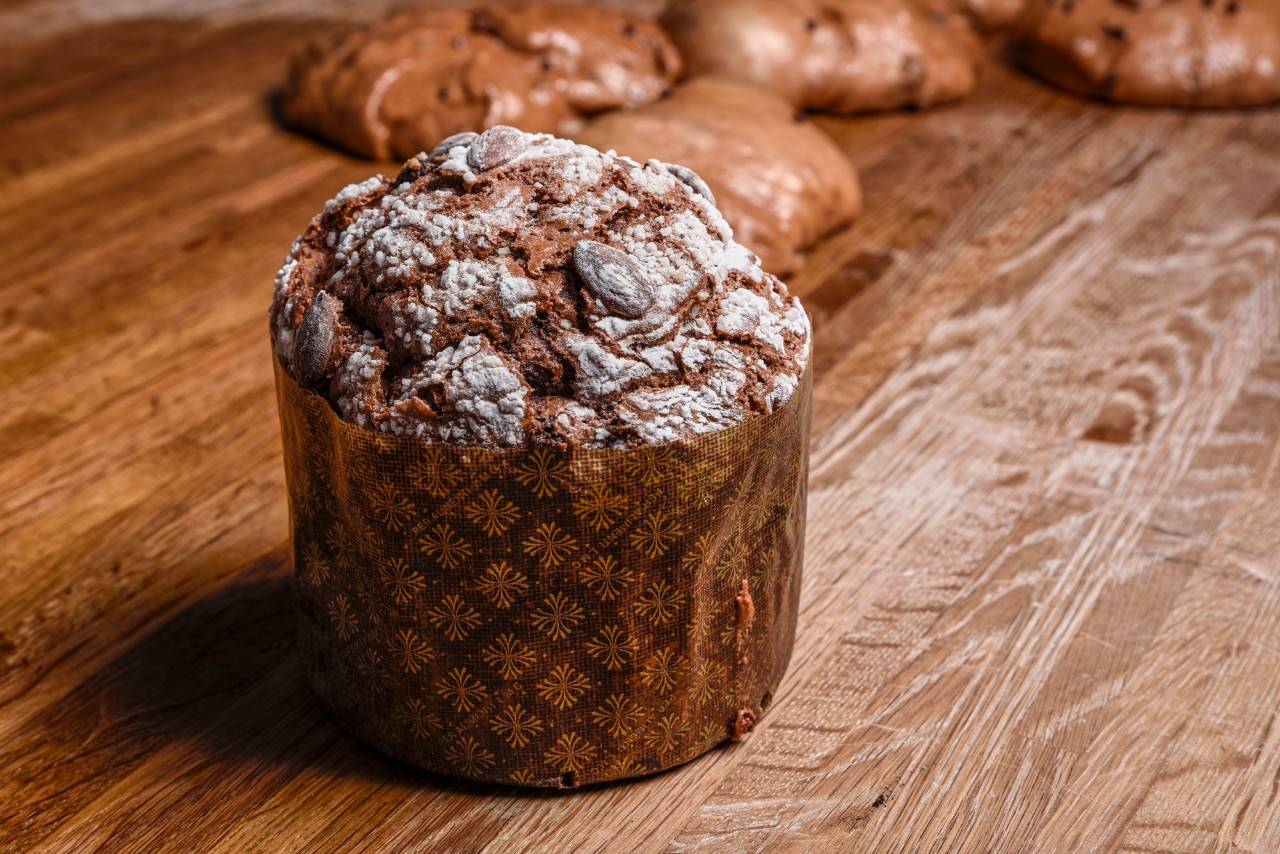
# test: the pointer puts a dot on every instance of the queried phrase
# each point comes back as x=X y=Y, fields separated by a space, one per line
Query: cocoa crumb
x=743 y=724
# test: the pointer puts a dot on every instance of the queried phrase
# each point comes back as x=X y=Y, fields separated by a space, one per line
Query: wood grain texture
x=1041 y=604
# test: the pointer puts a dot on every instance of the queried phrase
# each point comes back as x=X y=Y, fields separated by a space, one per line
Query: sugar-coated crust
x=514 y=289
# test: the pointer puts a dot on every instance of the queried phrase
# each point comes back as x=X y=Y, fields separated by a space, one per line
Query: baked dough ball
x=392 y=89
x=1191 y=53
x=843 y=56
x=780 y=181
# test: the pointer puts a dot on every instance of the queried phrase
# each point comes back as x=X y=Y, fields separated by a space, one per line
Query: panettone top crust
x=510 y=288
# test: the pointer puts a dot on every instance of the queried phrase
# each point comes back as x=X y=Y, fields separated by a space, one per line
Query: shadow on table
x=221 y=679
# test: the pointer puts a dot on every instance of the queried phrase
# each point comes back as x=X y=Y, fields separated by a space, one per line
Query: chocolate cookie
x=842 y=56
x=397 y=87
x=512 y=289
x=1185 y=53
x=780 y=182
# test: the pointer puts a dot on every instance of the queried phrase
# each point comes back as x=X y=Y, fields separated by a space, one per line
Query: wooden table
x=1041 y=605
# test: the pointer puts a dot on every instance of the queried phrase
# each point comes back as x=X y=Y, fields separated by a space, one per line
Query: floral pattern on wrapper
x=540 y=617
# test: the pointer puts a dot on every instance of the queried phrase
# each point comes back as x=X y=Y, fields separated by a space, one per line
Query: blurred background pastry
x=1206 y=53
x=841 y=56
x=780 y=181
x=396 y=87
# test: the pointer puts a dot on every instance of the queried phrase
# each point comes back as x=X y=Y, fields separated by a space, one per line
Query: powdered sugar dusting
x=784 y=385
x=486 y=393
x=356 y=377
x=747 y=313
x=280 y=327
x=465 y=320
x=353 y=191
x=669 y=414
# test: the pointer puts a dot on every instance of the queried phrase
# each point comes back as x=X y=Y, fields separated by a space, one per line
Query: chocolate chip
x=614 y=278
x=498 y=145
x=1113 y=32
x=1231 y=8
x=315 y=344
x=692 y=180
x=743 y=724
x=629 y=30
x=450 y=142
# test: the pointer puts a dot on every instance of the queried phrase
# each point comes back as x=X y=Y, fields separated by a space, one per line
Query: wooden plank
x=1040 y=605
x=978 y=637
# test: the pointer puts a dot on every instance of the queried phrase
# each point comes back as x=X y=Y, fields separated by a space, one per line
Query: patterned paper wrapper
x=540 y=617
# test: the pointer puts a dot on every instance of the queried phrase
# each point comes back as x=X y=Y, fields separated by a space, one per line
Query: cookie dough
x=1193 y=53
x=510 y=289
x=397 y=87
x=779 y=181
x=843 y=56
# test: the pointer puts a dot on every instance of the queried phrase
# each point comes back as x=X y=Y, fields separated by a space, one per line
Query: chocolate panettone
x=545 y=436
x=511 y=289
